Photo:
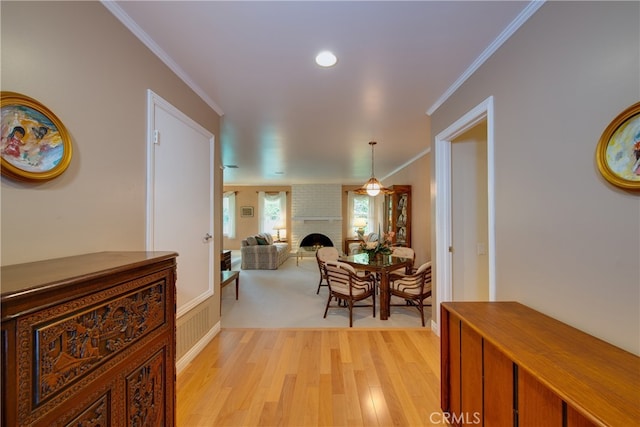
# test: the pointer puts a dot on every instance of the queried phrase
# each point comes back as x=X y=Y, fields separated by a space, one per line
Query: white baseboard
x=434 y=327
x=197 y=348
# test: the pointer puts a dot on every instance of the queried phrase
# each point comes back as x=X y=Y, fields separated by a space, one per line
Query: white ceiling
x=254 y=63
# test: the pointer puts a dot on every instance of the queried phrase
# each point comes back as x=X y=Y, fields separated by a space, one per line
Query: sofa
x=259 y=252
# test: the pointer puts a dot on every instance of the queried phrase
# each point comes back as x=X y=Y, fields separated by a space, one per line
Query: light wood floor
x=303 y=377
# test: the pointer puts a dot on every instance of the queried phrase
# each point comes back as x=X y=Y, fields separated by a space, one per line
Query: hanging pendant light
x=373 y=187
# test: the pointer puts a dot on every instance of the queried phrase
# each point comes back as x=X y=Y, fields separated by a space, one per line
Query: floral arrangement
x=381 y=246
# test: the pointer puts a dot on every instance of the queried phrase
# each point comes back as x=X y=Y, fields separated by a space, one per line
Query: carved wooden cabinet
x=89 y=340
x=397 y=214
x=504 y=364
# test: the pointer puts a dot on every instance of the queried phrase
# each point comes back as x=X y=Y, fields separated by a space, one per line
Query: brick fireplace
x=316 y=208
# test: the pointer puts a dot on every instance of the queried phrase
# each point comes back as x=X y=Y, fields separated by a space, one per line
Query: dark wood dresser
x=89 y=340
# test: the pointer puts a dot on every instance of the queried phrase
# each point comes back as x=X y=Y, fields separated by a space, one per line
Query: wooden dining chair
x=348 y=288
x=413 y=288
x=324 y=254
x=404 y=252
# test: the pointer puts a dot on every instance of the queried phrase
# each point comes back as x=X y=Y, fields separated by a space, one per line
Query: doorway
x=470 y=273
x=447 y=216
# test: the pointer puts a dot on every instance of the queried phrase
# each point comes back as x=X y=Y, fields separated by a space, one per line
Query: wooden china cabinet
x=89 y=340
x=397 y=214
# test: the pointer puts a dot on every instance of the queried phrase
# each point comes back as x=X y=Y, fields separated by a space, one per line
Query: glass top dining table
x=383 y=266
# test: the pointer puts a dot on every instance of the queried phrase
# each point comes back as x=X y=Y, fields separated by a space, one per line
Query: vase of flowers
x=378 y=248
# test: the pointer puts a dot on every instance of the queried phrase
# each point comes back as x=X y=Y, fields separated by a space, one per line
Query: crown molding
x=522 y=17
x=131 y=25
x=407 y=163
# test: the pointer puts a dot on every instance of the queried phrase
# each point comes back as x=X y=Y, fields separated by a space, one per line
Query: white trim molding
x=126 y=20
x=197 y=348
x=444 y=291
x=526 y=13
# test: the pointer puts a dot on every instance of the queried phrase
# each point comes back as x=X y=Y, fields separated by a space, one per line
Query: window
x=362 y=213
x=229 y=214
x=272 y=211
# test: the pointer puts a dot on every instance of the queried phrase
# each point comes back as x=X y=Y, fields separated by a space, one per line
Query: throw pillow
x=261 y=240
x=266 y=237
x=251 y=240
x=269 y=238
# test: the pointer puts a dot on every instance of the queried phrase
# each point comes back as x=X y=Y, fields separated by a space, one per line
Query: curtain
x=229 y=214
x=283 y=213
x=272 y=211
x=350 y=212
x=261 y=210
x=375 y=213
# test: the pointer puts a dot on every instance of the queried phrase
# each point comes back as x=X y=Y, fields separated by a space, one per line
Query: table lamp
x=278 y=228
x=359 y=224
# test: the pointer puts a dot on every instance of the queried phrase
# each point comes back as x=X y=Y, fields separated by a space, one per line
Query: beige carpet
x=286 y=298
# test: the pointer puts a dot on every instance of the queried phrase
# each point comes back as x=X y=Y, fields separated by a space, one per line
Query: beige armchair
x=324 y=254
x=404 y=252
x=347 y=287
x=414 y=288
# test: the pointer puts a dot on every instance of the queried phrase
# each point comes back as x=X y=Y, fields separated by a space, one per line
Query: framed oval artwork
x=35 y=144
x=618 y=152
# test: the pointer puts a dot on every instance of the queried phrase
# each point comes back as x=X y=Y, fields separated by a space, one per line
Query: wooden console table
x=225 y=260
x=227 y=277
x=89 y=340
x=503 y=364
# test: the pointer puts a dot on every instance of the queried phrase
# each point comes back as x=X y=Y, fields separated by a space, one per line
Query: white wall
x=567 y=242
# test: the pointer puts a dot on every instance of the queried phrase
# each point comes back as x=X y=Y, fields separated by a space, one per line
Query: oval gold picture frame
x=618 y=151
x=35 y=144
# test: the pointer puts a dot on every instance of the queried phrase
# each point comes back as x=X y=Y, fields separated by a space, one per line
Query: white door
x=180 y=198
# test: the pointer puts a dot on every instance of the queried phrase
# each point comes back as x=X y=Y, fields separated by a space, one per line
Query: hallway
x=303 y=377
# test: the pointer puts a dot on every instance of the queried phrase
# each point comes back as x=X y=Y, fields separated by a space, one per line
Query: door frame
x=444 y=285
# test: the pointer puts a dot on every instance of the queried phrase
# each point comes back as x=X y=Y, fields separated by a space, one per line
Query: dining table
x=382 y=265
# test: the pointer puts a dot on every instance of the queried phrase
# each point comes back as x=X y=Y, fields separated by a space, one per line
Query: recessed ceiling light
x=326 y=59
